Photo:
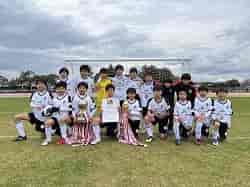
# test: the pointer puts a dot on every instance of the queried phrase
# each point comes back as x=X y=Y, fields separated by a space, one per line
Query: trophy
x=82 y=115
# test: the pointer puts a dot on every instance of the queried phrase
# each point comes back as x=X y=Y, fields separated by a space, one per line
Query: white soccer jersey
x=158 y=107
x=70 y=86
x=203 y=106
x=91 y=85
x=64 y=104
x=134 y=109
x=135 y=83
x=184 y=111
x=146 y=93
x=223 y=111
x=90 y=104
x=38 y=102
x=120 y=84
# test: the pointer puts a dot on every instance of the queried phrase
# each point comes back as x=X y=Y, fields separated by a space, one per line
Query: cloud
x=37 y=34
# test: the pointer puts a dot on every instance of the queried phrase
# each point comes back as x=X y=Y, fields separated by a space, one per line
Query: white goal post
x=129 y=62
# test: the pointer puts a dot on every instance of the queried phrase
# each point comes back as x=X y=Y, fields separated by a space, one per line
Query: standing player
x=39 y=100
x=221 y=116
x=187 y=85
x=203 y=106
x=134 y=81
x=146 y=91
x=183 y=119
x=120 y=83
x=134 y=111
x=159 y=108
x=59 y=114
x=64 y=76
x=85 y=77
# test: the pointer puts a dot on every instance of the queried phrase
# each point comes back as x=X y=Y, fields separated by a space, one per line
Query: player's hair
x=110 y=86
x=119 y=66
x=203 y=88
x=169 y=81
x=64 y=69
x=103 y=71
x=131 y=90
x=84 y=84
x=61 y=84
x=85 y=67
x=221 y=89
x=133 y=70
x=157 y=88
x=185 y=76
x=41 y=81
x=182 y=90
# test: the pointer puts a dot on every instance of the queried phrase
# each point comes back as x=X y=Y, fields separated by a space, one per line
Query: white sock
x=20 y=129
x=149 y=130
x=177 y=130
x=97 y=131
x=48 y=132
x=63 y=130
x=198 y=130
x=215 y=134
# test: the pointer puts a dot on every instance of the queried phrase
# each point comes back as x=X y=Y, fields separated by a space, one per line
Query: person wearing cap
x=187 y=85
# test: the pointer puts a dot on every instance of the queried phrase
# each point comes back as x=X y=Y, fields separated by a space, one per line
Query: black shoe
x=20 y=138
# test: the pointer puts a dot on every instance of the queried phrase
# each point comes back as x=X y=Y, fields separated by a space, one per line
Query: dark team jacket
x=168 y=94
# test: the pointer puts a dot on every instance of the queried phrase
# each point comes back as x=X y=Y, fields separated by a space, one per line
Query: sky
x=38 y=34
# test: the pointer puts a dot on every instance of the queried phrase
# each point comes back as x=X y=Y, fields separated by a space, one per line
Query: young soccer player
x=82 y=97
x=101 y=87
x=183 y=118
x=120 y=83
x=85 y=77
x=160 y=110
x=39 y=100
x=134 y=111
x=59 y=114
x=146 y=91
x=134 y=80
x=203 y=106
x=64 y=76
x=221 y=116
x=110 y=111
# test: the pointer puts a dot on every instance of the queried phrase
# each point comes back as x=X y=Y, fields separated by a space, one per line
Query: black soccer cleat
x=20 y=138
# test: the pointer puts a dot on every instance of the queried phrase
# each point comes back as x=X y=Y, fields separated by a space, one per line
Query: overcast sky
x=38 y=34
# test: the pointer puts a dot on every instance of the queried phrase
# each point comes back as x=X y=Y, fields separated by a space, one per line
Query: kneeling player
x=40 y=99
x=183 y=118
x=221 y=116
x=202 y=109
x=59 y=114
x=158 y=112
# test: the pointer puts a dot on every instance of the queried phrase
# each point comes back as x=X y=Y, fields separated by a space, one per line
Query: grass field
x=112 y=164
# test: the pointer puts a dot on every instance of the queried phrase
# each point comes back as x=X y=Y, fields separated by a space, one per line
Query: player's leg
x=97 y=130
x=198 y=127
x=215 y=133
x=149 y=128
x=223 y=131
x=19 y=118
x=163 y=127
x=63 y=123
x=176 y=128
x=48 y=131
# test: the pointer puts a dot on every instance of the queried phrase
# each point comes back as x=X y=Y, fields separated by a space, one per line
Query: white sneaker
x=215 y=143
x=46 y=142
x=96 y=141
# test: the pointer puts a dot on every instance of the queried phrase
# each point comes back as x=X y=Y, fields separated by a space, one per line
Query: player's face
x=148 y=78
x=84 y=73
x=82 y=90
x=157 y=94
x=64 y=75
x=203 y=93
x=110 y=92
x=60 y=91
x=167 y=84
x=133 y=75
x=182 y=95
x=222 y=95
x=119 y=72
x=104 y=76
x=186 y=82
x=131 y=95
x=41 y=87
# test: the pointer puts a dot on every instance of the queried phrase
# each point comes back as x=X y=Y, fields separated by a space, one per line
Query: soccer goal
x=176 y=65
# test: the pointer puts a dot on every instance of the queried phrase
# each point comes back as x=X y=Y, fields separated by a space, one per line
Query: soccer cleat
x=96 y=141
x=45 y=143
x=198 y=142
x=61 y=141
x=163 y=136
x=178 y=142
x=215 y=142
x=149 y=139
x=20 y=138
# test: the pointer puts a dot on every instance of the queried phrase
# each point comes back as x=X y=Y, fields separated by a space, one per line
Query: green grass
x=112 y=164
